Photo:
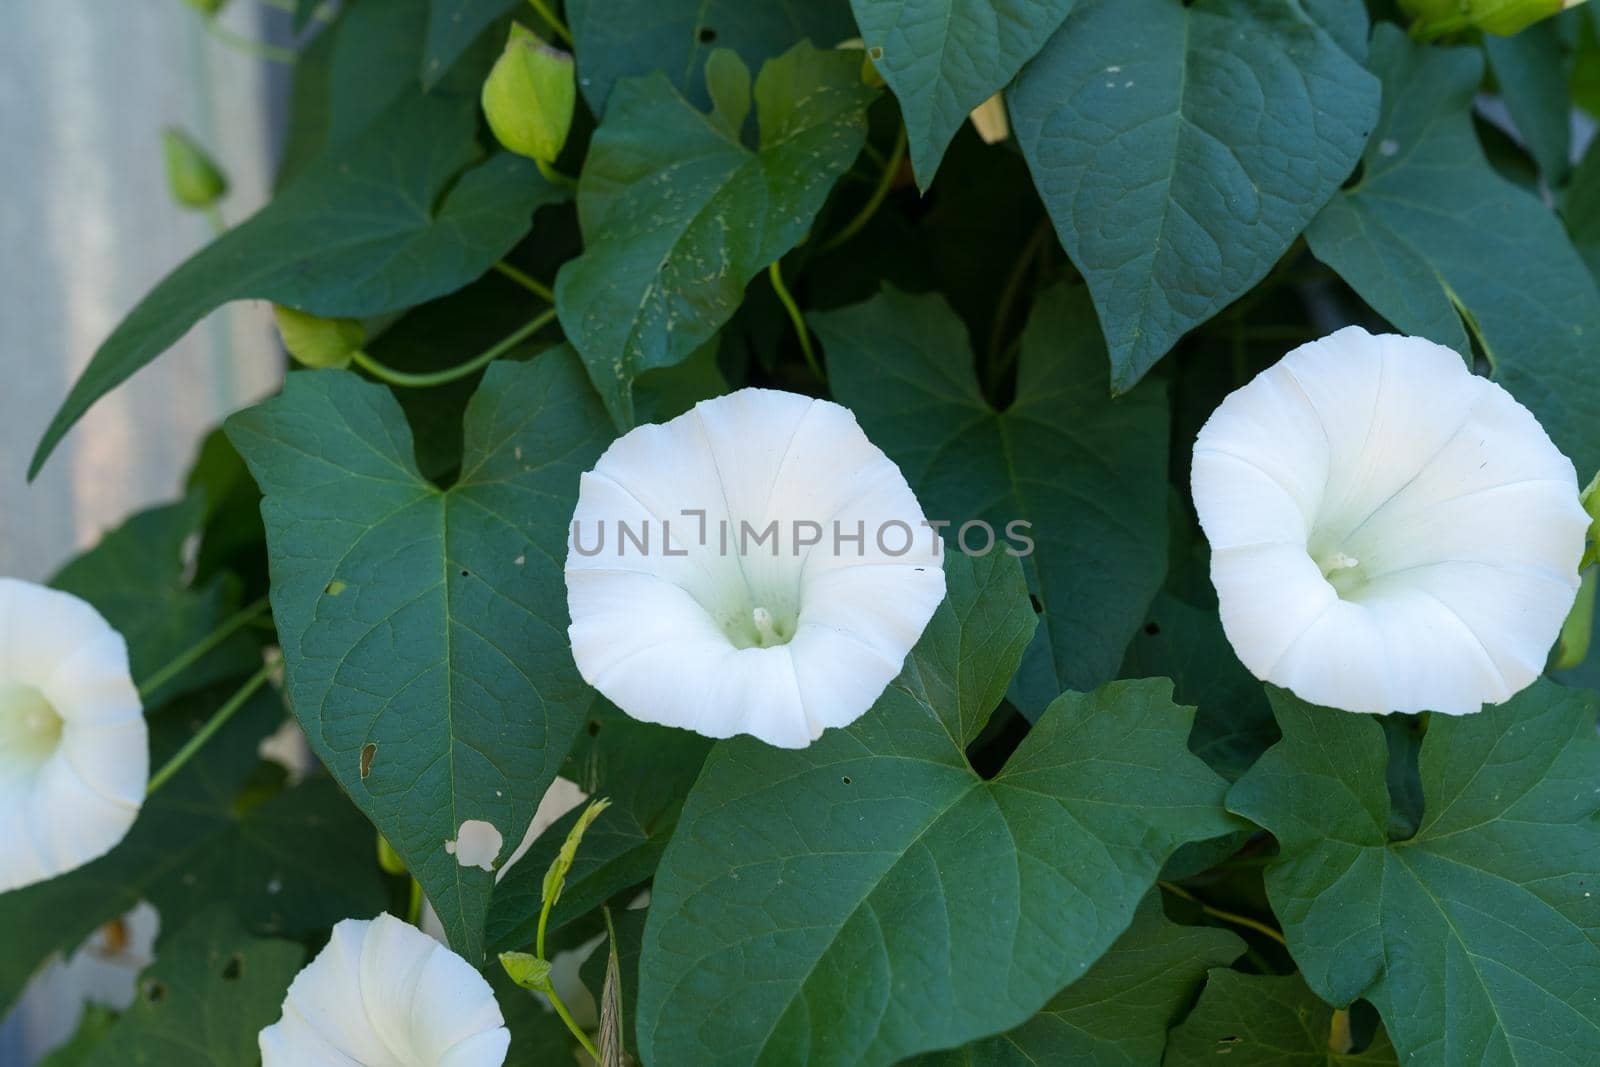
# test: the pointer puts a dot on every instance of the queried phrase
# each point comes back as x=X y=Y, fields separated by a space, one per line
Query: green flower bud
x=318 y=342
x=1434 y=18
x=555 y=879
x=530 y=95
x=527 y=970
x=208 y=8
x=195 y=181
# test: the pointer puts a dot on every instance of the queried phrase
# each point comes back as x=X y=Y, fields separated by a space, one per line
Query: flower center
x=30 y=729
x=1343 y=571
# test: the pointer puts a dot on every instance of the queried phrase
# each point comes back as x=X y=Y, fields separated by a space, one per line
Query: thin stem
x=192 y=655
x=558 y=27
x=270 y=52
x=1340 y=1037
x=555 y=177
x=1226 y=916
x=572 y=1024
x=217 y=721
x=1013 y=287
x=775 y=273
x=550 y=990
x=219 y=225
x=414 y=904
x=891 y=170
x=527 y=281
x=460 y=370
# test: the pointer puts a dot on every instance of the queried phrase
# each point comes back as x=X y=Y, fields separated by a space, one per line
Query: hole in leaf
x=1038 y=607
x=706 y=35
x=875 y=53
x=368 y=750
x=465 y=574
x=155 y=992
x=845 y=780
x=234 y=968
x=1152 y=628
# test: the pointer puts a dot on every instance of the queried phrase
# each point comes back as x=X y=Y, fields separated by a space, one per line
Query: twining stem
x=527 y=281
x=192 y=655
x=270 y=52
x=1226 y=916
x=891 y=170
x=775 y=273
x=1009 y=294
x=550 y=989
x=218 y=720
x=460 y=370
x=558 y=27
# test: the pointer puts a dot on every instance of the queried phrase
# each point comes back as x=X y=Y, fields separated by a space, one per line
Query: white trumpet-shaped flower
x=74 y=751
x=385 y=994
x=1389 y=532
x=786 y=571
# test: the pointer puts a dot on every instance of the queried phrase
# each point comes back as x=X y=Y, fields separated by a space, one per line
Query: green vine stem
x=527 y=281
x=461 y=370
x=550 y=989
x=557 y=27
x=880 y=193
x=1226 y=916
x=775 y=273
x=192 y=655
x=218 y=720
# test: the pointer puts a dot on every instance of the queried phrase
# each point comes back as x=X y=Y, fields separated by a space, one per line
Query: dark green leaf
x=678 y=217
x=1426 y=235
x=1234 y=723
x=1257 y=1020
x=1478 y=938
x=204 y=1000
x=176 y=829
x=1117 y=1015
x=135 y=577
x=943 y=58
x=871 y=896
x=391 y=221
x=1181 y=148
x=452 y=27
x=425 y=631
x=628 y=38
x=645 y=771
x=1086 y=470
x=1531 y=68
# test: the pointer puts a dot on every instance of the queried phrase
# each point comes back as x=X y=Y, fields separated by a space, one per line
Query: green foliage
x=1117 y=1014
x=424 y=630
x=1199 y=154
x=1494 y=887
x=904 y=365
x=203 y=1001
x=670 y=246
x=1264 y=1021
x=1425 y=234
x=1075 y=829
x=747 y=959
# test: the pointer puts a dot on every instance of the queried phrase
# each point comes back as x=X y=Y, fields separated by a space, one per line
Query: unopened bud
x=527 y=970
x=389 y=860
x=318 y=342
x=195 y=181
x=530 y=95
x=1434 y=18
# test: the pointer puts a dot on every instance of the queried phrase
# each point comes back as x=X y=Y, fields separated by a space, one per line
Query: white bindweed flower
x=74 y=751
x=1389 y=532
x=385 y=994
x=786 y=569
